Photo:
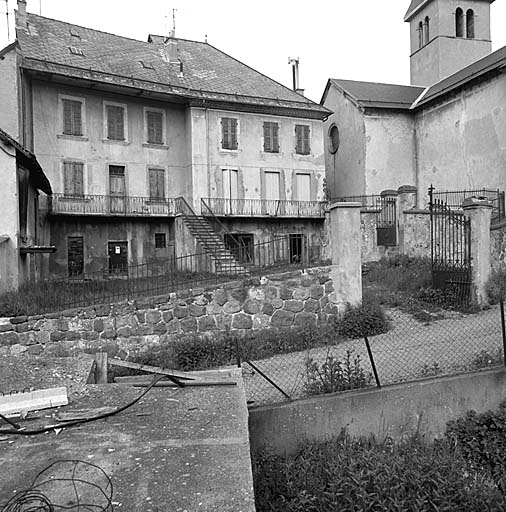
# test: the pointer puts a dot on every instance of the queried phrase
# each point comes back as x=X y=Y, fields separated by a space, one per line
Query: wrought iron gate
x=450 y=234
x=386 y=222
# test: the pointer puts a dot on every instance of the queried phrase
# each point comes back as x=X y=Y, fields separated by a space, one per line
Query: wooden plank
x=33 y=401
x=83 y=414
x=145 y=380
x=154 y=369
x=101 y=368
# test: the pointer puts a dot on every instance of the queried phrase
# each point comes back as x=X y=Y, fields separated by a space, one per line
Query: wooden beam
x=101 y=368
x=33 y=401
x=155 y=369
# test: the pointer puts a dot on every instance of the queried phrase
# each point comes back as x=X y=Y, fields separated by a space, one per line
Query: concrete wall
x=96 y=233
x=398 y=411
x=389 y=152
x=97 y=153
x=9 y=226
x=462 y=142
x=280 y=301
x=251 y=162
x=345 y=169
x=9 y=86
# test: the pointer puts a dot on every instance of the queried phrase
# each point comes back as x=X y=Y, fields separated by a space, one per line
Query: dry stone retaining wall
x=283 y=301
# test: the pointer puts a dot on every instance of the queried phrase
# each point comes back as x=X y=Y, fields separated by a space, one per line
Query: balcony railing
x=107 y=205
x=263 y=208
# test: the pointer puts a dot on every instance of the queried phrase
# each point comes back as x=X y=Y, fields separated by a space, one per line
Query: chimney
x=170 y=45
x=21 y=21
x=295 y=74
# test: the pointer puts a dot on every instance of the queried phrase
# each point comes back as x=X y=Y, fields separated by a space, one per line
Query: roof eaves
x=181 y=92
x=7 y=49
x=346 y=93
x=414 y=9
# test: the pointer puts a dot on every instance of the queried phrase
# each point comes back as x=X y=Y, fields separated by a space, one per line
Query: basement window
x=76 y=51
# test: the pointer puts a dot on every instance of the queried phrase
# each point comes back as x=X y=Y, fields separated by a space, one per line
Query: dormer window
x=146 y=65
x=76 y=51
x=75 y=34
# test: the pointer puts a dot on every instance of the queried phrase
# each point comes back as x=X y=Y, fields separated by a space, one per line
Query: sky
x=354 y=40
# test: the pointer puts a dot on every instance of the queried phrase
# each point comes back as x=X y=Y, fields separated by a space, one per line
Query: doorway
x=118 y=257
x=117 y=188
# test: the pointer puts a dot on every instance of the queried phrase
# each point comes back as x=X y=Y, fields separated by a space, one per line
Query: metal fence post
x=371 y=358
x=503 y=328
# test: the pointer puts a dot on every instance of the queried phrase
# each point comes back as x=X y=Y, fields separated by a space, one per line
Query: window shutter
x=275 y=139
x=78 y=179
x=267 y=138
x=233 y=133
x=115 y=123
x=156 y=183
x=77 y=118
x=68 y=175
x=67 y=117
x=155 y=127
x=305 y=145
x=298 y=139
x=225 y=134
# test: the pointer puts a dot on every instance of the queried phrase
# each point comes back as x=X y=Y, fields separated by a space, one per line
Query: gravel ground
x=410 y=350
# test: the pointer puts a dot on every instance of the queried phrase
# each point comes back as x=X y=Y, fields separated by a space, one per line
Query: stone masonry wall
x=498 y=245
x=284 y=301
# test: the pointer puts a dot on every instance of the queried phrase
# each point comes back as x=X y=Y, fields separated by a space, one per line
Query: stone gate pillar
x=346 y=252
x=479 y=212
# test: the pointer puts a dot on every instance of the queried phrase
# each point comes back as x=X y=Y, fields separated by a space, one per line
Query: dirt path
x=410 y=350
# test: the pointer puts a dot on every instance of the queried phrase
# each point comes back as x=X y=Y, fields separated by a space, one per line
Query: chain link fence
x=445 y=343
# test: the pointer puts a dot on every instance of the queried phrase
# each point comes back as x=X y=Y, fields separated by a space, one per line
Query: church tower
x=446 y=35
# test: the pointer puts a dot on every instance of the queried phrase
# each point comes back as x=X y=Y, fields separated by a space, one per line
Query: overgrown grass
x=406 y=283
x=352 y=475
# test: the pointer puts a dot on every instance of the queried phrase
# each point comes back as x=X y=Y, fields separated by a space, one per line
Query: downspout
x=207 y=159
x=417 y=165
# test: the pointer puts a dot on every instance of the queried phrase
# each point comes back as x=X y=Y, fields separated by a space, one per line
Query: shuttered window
x=73 y=179
x=72 y=117
x=154 y=121
x=115 y=122
x=302 y=146
x=271 y=139
x=229 y=133
x=156 y=184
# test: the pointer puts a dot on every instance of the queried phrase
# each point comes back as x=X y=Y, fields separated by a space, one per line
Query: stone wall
x=283 y=301
x=498 y=245
x=416 y=234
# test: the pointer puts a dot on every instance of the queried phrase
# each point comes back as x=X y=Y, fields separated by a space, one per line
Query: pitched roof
x=208 y=73
x=371 y=94
x=492 y=63
x=29 y=161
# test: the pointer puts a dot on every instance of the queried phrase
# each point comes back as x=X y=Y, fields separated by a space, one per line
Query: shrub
x=335 y=375
x=481 y=438
x=485 y=360
x=347 y=475
x=431 y=370
x=368 y=319
x=496 y=284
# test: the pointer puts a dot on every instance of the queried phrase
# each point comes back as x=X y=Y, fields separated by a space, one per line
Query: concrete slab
x=175 y=450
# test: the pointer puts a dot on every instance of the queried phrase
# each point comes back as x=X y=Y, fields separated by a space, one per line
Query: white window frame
x=164 y=127
x=82 y=100
x=220 y=131
x=125 y=122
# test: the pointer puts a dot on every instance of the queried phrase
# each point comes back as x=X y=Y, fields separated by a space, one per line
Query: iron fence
x=454 y=199
x=161 y=277
x=263 y=207
x=433 y=342
x=368 y=202
x=114 y=205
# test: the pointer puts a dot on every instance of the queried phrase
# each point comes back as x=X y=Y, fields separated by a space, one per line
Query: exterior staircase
x=213 y=245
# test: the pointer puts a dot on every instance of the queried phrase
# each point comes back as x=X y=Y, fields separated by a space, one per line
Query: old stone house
x=448 y=128
x=158 y=148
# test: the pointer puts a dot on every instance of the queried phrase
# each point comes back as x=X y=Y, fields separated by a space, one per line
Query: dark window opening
x=426 y=30
x=229 y=133
x=73 y=179
x=420 y=35
x=459 y=22
x=241 y=246
x=160 y=240
x=154 y=121
x=302 y=146
x=296 y=247
x=115 y=122
x=334 y=139
x=271 y=137
x=75 y=255
x=470 y=24
x=72 y=117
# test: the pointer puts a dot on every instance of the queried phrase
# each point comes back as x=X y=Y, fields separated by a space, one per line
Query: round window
x=334 y=139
